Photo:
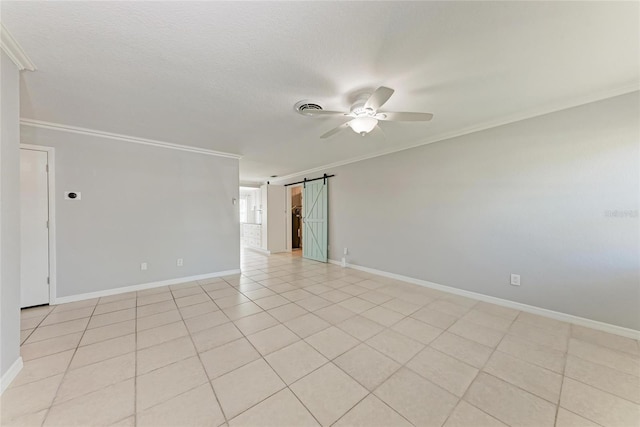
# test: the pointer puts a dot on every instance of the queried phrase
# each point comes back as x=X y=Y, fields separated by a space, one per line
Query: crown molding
x=528 y=114
x=250 y=184
x=125 y=138
x=14 y=51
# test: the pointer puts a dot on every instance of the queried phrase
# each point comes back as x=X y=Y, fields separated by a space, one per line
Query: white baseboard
x=125 y=289
x=11 y=374
x=262 y=251
x=564 y=317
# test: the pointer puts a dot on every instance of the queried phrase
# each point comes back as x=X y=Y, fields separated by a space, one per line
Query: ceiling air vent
x=307 y=106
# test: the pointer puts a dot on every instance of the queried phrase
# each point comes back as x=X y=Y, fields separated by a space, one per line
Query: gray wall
x=139 y=204
x=531 y=198
x=9 y=214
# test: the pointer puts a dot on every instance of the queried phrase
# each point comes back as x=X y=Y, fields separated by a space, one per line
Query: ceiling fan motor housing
x=358 y=107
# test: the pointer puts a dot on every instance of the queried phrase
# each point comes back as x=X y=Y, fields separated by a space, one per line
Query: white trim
x=289 y=219
x=11 y=374
x=262 y=251
x=51 y=183
x=126 y=138
x=564 y=317
x=14 y=51
x=529 y=114
x=247 y=184
x=125 y=289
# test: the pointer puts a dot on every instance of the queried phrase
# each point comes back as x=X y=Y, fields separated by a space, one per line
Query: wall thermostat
x=72 y=195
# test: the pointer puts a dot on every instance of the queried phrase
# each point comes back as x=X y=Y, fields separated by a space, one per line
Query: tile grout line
x=338 y=356
x=565 y=358
x=289 y=268
x=53 y=325
x=385 y=328
x=564 y=367
x=64 y=375
x=136 y=316
x=331 y=361
x=481 y=370
x=364 y=342
x=244 y=336
x=505 y=333
x=428 y=346
x=581 y=416
x=287 y=386
x=36 y=327
x=78 y=347
x=600 y=364
x=598 y=388
x=562 y=374
x=209 y=381
x=371 y=393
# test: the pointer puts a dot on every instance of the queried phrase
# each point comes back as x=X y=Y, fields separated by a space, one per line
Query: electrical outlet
x=515 y=279
x=180 y=262
x=143 y=266
x=346 y=251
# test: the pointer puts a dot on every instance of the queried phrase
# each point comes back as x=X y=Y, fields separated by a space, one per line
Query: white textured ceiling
x=225 y=75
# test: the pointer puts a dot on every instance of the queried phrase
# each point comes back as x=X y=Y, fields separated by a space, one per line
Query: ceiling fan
x=366 y=115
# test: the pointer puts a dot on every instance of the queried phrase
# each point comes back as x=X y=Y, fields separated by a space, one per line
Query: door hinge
x=48 y=281
x=46 y=168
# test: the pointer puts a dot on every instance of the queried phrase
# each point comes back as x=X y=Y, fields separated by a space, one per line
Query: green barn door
x=315 y=220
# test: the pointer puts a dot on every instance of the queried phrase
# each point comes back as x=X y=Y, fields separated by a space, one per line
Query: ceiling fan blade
x=378 y=98
x=335 y=130
x=404 y=117
x=315 y=113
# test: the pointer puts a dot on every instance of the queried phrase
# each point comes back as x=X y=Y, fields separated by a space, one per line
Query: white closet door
x=34 y=233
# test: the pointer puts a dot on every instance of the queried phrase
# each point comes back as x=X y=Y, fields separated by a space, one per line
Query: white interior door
x=34 y=232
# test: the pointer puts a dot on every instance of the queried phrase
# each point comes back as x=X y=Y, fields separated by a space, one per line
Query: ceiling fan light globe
x=363 y=125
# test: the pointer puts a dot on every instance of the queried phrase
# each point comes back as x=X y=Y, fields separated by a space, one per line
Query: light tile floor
x=292 y=342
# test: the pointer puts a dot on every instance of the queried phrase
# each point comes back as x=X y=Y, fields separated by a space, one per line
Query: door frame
x=51 y=195
x=289 y=222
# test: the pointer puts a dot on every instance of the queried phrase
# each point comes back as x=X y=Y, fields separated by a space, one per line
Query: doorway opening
x=250 y=217
x=296 y=218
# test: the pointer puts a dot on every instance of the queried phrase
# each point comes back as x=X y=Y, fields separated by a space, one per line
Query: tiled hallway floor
x=294 y=343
